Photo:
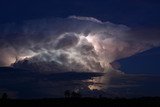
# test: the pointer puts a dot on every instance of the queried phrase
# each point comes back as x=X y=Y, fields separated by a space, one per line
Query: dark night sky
x=132 y=13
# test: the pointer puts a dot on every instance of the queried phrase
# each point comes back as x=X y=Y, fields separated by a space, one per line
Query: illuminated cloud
x=71 y=44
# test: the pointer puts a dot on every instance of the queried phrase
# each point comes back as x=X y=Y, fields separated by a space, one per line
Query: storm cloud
x=71 y=44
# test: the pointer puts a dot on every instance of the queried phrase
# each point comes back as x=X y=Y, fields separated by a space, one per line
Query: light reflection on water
x=102 y=82
x=117 y=84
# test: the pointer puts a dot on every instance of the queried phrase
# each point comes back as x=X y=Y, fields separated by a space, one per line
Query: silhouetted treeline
x=73 y=94
x=4 y=96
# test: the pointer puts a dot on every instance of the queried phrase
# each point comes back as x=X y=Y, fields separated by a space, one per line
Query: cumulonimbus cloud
x=73 y=44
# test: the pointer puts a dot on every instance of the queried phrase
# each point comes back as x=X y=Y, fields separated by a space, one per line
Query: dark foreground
x=83 y=102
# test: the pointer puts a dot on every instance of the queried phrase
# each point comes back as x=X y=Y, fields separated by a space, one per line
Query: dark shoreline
x=82 y=102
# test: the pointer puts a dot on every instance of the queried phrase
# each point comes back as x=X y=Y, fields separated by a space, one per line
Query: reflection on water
x=101 y=82
x=125 y=85
x=97 y=83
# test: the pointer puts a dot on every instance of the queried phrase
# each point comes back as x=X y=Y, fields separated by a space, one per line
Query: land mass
x=83 y=102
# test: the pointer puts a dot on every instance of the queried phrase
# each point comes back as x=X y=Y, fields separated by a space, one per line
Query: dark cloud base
x=20 y=83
